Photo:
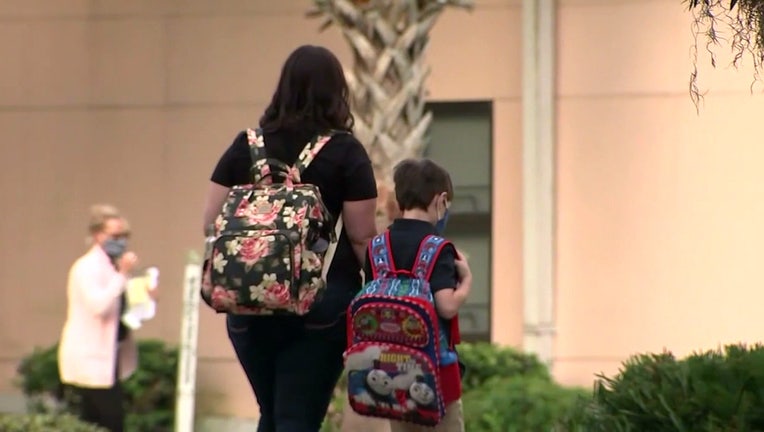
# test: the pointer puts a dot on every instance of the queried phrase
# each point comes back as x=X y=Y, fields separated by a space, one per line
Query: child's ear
x=435 y=202
x=440 y=203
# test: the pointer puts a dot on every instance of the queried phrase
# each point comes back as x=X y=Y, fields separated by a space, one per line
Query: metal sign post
x=189 y=333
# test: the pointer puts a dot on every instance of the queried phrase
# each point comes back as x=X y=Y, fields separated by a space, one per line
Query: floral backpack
x=273 y=241
x=397 y=343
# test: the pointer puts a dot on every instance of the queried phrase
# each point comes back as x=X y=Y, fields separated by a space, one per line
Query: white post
x=538 y=176
x=186 y=387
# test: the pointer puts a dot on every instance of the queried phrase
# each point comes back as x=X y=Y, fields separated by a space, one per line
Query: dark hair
x=312 y=93
x=418 y=181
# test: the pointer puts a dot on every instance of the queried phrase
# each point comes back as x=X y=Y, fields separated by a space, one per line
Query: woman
x=293 y=363
x=94 y=354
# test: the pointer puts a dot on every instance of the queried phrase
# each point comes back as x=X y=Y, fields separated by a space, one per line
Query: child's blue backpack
x=396 y=341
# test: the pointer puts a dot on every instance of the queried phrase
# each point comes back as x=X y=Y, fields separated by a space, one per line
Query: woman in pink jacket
x=91 y=358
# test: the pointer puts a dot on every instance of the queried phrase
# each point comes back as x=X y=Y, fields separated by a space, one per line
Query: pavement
x=12 y=403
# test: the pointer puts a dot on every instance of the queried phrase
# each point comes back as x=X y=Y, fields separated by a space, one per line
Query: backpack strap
x=310 y=151
x=261 y=163
x=424 y=265
x=428 y=253
x=380 y=255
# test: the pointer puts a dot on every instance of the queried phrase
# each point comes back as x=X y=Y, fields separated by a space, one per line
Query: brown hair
x=418 y=181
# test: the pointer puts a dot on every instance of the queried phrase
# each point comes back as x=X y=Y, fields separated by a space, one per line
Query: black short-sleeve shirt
x=406 y=235
x=341 y=170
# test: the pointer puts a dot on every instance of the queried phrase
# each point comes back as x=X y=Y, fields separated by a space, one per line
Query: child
x=424 y=192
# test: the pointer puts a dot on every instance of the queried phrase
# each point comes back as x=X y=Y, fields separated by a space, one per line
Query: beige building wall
x=659 y=226
x=132 y=102
x=658 y=208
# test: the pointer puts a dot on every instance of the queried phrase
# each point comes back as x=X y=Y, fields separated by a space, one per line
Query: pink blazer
x=88 y=348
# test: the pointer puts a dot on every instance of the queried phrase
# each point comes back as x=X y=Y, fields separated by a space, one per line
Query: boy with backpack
x=403 y=325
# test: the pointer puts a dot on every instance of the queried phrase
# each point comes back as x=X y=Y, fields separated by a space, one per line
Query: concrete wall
x=132 y=102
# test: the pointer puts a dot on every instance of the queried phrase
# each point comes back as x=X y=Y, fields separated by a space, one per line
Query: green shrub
x=714 y=391
x=519 y=404
x=44 y=423
x=149 y=393
x=485 y=361
x=39 y=380
x=333 y=419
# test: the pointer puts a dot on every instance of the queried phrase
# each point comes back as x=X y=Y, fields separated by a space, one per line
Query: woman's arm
x=216 y=196
x=360 y=226
x=359 y=205
x=98 y=297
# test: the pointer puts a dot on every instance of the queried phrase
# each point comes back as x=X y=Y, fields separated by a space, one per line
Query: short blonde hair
x=99 y=215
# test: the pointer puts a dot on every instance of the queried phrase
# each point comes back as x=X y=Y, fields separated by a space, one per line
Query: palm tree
x=388 y=39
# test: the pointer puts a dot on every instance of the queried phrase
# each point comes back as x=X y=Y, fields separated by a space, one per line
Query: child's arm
x=451 y=282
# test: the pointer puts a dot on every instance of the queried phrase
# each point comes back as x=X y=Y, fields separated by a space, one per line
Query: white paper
x=140 y=306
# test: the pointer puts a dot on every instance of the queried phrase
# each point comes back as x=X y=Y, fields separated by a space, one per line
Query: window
x=461 y=140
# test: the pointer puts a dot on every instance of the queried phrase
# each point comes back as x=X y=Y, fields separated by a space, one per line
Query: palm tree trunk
x=387 y=80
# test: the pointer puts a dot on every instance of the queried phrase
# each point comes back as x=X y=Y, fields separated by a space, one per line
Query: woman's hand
x=127 y=262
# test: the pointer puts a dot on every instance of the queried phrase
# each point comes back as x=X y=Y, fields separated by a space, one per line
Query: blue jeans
x=292 y=368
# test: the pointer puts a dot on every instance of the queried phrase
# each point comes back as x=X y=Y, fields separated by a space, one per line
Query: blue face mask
x=114 y=248
x=440 y=225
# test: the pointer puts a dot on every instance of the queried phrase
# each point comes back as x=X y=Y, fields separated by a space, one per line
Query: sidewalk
x=12 y=403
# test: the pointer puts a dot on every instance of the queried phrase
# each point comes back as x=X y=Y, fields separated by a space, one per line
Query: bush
x=149 y=393
x=485 y=361
x=39 y=380
x=45 y=423
x=333 y=419
x=519 y=404
x=714 y=391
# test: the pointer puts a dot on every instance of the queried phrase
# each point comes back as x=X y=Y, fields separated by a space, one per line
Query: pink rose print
x=313 y=151
x=252 y=249
x=307 y=298
x=297 y=217
x=277 y=296
x=223 y=299
x=294 y=175
x=315 y=212
x=296 y=258
x=220 y=223
x=243 y=210
x=311 y=261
